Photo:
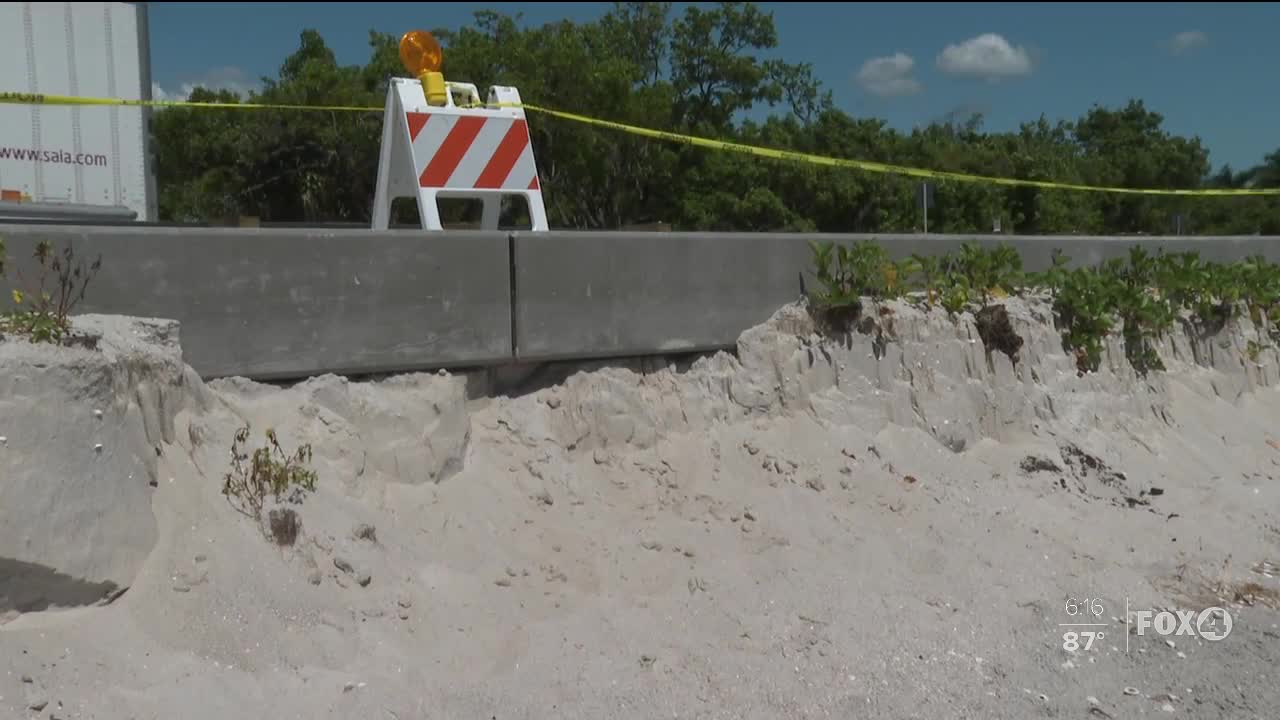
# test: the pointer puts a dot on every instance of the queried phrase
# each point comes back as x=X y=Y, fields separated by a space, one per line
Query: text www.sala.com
x=53 y=156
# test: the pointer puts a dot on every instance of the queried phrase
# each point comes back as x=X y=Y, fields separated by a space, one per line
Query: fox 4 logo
x=1212 y=624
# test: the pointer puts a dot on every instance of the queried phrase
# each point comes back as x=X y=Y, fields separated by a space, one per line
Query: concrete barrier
x=584 y=294
x=289 y=303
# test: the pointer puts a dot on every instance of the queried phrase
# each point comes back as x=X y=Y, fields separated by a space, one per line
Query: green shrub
x=974 y=275
x=268 y=471
x=1253 y=348
x=1082 y=304
x=1052 y=278
x=1260 y=282
x=1142 y=294
x=846 y=275
x=985 y=272
x=929 y=269
x=43 y=313
x=955 y=294
x=1145 y=312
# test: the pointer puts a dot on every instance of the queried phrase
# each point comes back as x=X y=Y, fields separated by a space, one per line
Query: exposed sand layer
x=83 y=430
x=885 y=525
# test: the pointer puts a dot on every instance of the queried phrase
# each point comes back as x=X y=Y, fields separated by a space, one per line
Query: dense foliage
x=1140 y=296
x=704 y=72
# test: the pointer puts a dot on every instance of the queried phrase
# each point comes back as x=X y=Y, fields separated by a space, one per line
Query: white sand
x=805 y=530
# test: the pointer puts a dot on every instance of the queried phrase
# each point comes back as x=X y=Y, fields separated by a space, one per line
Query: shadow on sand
x=27 y=587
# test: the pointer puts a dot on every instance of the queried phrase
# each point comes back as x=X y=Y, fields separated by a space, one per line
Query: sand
x=806 y=527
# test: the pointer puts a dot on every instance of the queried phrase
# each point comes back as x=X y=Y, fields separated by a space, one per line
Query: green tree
x=710 y=71
x=1129 y=148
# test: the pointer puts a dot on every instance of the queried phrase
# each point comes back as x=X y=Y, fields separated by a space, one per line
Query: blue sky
x=1208 y=68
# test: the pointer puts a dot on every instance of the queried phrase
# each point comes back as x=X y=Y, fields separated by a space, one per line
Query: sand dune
x=881 y=525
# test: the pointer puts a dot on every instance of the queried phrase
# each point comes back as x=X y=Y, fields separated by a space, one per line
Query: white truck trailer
x=79 y=163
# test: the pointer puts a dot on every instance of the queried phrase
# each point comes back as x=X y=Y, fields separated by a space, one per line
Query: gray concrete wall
x=277 y=303
x=290 y=303
x=582 y=294
x=612 y=294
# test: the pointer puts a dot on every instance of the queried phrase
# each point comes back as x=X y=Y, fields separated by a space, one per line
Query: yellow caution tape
x=884 y=167
x=13 y=98
x=770 y=153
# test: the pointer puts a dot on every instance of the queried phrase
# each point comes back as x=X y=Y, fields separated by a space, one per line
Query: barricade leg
x=429 y=209
x=386 y=154
x=492 y=211
x=381 y=212
x=537 y=212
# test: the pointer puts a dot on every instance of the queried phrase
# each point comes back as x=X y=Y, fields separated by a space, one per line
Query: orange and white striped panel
x=472 y=152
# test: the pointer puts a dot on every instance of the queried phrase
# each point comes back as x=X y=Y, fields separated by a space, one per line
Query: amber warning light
x=421 y=55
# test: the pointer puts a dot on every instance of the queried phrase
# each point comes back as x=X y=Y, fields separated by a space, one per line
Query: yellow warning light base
x=434 y=87
x=420 y=53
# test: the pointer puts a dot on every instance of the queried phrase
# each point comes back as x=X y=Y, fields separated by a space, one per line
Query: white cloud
x=988 y=56
x=1185 y=41
x=223 y=78
x=889 y=76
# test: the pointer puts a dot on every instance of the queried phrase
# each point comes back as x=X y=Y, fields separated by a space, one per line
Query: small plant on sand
x=1210 y=291
x=988 y=273
x=1254 y=348
x=1082 y=303
x=835 y=300
x=1052 y=277
x=930 y=272
x=43 y=313
x=267 y=471
x=846 y=275
x=1261 y=282
x=955 y=294
x=977 y=275
x=1143 y=309
x=974 y=274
